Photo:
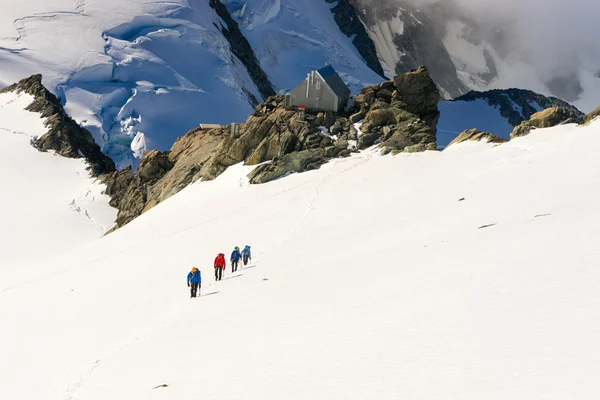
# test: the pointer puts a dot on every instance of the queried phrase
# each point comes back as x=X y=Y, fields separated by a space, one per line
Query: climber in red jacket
x=219 y=266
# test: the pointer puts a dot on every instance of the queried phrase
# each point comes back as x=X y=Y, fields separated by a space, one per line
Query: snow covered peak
x=63 y=135
x=49 y=203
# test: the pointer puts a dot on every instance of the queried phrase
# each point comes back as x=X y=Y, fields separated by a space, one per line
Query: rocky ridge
x=518 y=105
x=400 y=114
x=346 y=17
x=477 y=135
x=64 y=135
x=592 y=116
x=546 y=119
x=242 y=49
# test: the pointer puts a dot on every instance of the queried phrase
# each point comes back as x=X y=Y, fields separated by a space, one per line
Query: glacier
x=134 y=72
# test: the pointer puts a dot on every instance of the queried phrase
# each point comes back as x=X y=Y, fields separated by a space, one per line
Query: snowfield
x=465 y=274
x=49 y=204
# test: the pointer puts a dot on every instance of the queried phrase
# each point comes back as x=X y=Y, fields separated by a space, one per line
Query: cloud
x=555 y=32
x=556 y=36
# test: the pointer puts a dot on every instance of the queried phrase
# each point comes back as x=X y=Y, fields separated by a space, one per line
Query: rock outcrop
x=477 y=135
x=64 y=135
x=545 y=119
x=301 y=161
x=400 y=114
x=162 y=174
x=134 y=199
x=518 y=105
x=592 y=116
x=117 y=183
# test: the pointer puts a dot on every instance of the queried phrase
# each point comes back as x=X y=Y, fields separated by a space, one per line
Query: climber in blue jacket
x=246 y=254
x=194 y=281
x=235 y=258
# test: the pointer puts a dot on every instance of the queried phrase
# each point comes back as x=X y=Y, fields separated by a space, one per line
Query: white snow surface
x=291 y=38
x=49 y=204
x=370 y=280
x=124 y=67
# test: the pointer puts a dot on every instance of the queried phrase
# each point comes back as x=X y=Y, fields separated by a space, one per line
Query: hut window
x=318 y=85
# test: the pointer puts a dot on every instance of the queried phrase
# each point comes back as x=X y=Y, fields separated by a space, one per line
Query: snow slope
x=359 y=288
x=292 y=38
x=137 y=74
x=49 y=204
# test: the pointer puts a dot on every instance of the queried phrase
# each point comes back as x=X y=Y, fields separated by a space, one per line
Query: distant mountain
x=463 y=53
x=495 y=111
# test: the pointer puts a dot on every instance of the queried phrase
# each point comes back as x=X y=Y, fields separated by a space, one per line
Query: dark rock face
x=347 y=19
x=525 y=101
x=421 y=41
x=117 y=183
x=64 y=135
x=305 y=160
x=420 y=94
x=153 y=166
x=132 y=199
x=477 y=135
x=546 y=119
x=407 y=121
x=243 y=50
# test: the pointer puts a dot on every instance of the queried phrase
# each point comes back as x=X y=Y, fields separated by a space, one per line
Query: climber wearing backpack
x=219 y=266
x=194 y=281
x=235 y=258
x=246 y=255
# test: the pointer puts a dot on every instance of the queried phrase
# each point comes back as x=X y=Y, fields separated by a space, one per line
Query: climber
x=235 y=258
x=194 y=281
x=246 y=255
x=219 y=266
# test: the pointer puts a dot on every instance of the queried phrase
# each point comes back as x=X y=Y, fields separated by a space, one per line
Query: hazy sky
x=554 y=35
x=554 y=32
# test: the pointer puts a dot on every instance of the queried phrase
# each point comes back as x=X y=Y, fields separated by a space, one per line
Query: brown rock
x=476 y=135
x=545 y=119
x=592 y=116
x=420 y=94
